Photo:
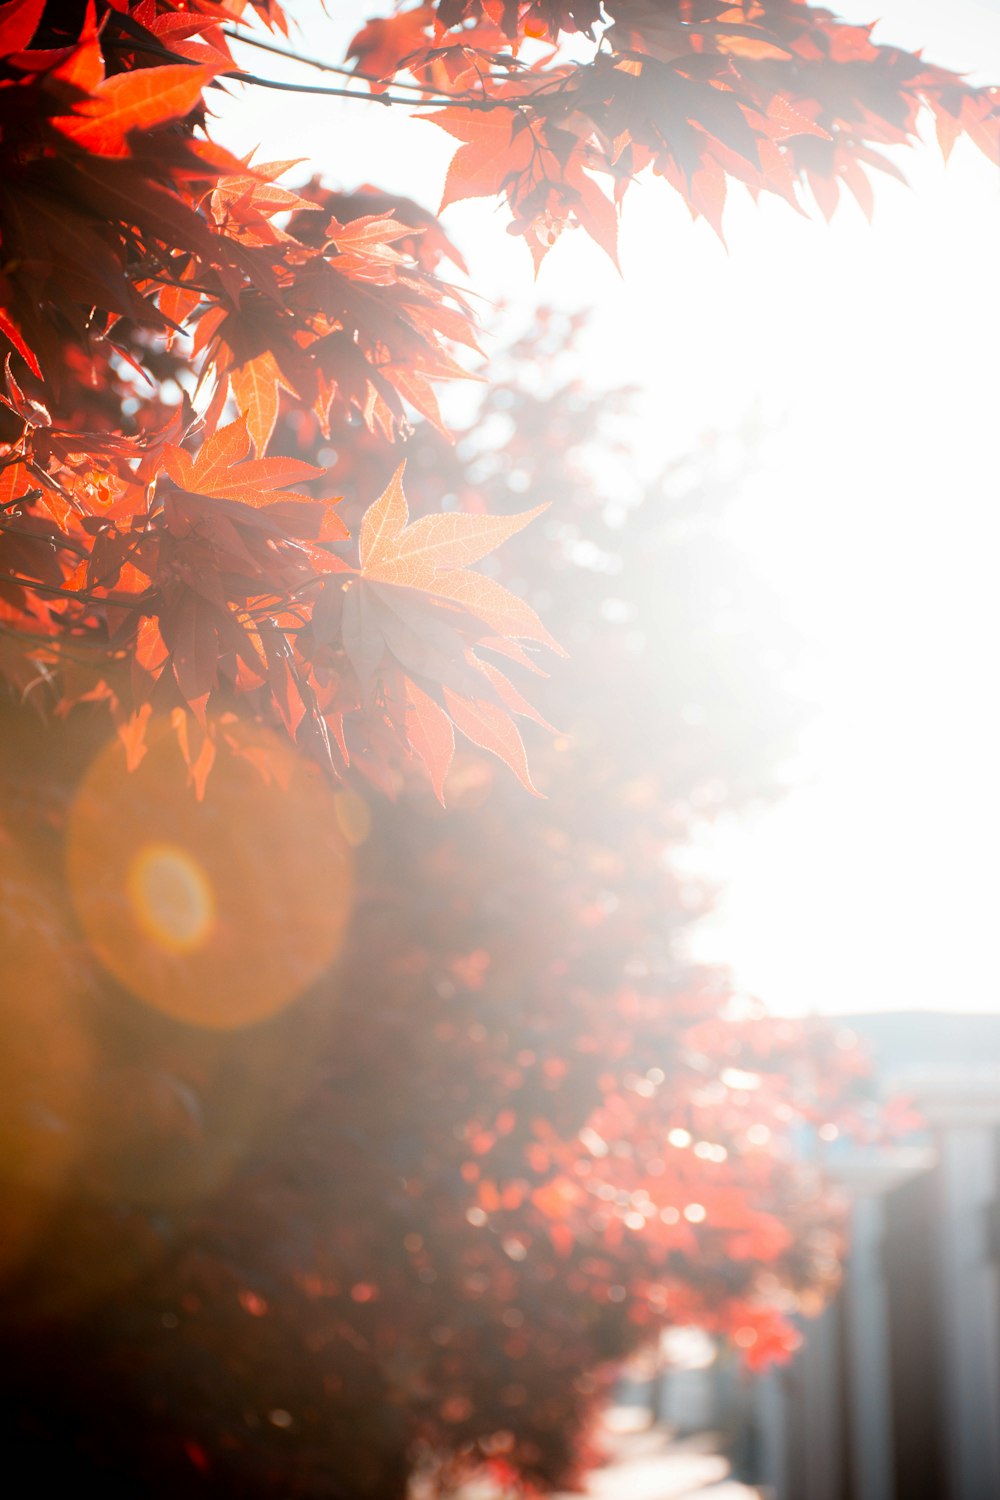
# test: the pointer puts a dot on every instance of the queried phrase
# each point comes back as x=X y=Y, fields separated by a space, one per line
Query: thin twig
x=439 y=100
x=314 y=62
x=120 y=601
x=342 y=68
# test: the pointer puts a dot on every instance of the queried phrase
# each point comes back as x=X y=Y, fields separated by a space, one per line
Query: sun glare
x=861 y=355
x=217 y=912
x=171 y=897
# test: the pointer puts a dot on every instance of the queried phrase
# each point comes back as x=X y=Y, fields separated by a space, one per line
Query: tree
x=511 y=1132
x=166 y=547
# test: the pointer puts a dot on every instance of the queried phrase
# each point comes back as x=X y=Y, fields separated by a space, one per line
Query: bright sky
x=871 y=355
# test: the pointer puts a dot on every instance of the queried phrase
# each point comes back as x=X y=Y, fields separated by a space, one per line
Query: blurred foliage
x=409 y=1224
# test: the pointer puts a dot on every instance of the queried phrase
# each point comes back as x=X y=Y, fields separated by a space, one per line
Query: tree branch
x=474 y=101
x=341 y=68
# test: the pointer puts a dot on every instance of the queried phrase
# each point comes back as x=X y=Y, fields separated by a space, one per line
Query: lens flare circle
x=219 y=912
x=173 y=901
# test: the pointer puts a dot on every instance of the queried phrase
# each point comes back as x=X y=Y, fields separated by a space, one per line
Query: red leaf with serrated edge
x=392 y=619
x=442 y=543
x=177 y=303
x=509 y=695
x=491 y=729
x=948 y=130
x=15 y=481
x=18 y=24
x=514 y=652
x=135 y=101
x=191 y=630
x=373 y=233
x=496 y=606
x=383 y=522
x=431 y=555
x=493 y=150
x=255 y=193
x=418 y=391
x=598 y=215
x=382 y=44
x=255 y=388
x=248 y=481
x=219 y=453
x=84 y=68
x=430 y=732
x=221 y=469
x=786 y=120
x=11 y=331
x=414 y=555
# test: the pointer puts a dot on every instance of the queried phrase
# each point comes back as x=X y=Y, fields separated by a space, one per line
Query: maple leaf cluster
x=774 y=94
x=168 y=565
x=129 y=570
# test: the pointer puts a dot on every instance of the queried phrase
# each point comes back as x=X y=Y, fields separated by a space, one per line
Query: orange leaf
x=491 y=729
x=18 y=21
x=383 y=43
x=222 y=469
x=227 y=446
x=134 y=101
x=255 y=388
x=13 y=333
x=509 y=695
x=442 y=542
x=494 y=149
x=383 y=522
x=430 y=732
x=496 y=606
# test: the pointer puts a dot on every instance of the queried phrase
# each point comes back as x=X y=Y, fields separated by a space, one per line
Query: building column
x=970 y=1303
